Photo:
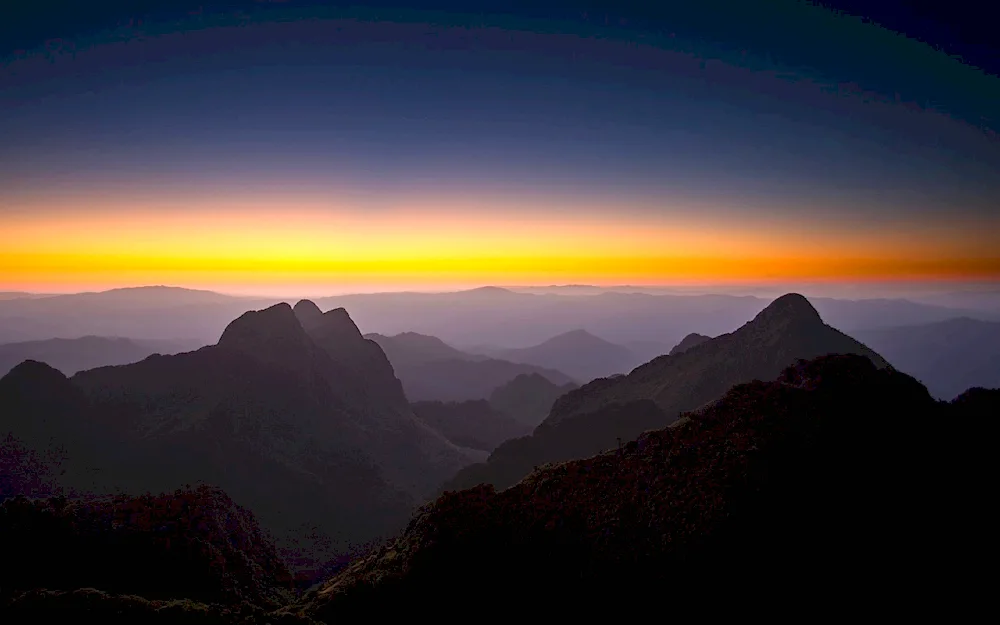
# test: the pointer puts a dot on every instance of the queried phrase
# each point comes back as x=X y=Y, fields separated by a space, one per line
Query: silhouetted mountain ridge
x=88 y=352
x=300 y=427
x=580 y=423
x=578 y=353
x=783 y=484
x=528 y=397
x=688 y=342
x=431 y=370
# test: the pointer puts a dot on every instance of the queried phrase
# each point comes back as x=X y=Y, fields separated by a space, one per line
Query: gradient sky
x=292 y=147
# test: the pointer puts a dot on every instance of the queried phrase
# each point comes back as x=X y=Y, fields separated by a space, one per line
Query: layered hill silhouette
x=578 y=353
x=512 y=411
x=599 y=414
x=475 y=423
x=948 y=357
x=88 y=352
x=409 y=348
x=148 y=312
x=431 y=370
x=308 y=428
x=779 y=487
x=688 y=342
x=528 y=397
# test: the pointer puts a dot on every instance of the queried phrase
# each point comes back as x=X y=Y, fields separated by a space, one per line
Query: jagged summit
x=338 y=321
x=308 y=313
x=789 y=308
x=262 y=331
x=334 y=324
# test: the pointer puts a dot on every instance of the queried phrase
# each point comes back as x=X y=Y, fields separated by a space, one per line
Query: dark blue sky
x=776 y=109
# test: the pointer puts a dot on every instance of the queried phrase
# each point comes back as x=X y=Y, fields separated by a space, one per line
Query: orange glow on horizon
x=256 y=247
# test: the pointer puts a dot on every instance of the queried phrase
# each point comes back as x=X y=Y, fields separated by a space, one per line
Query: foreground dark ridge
x=193 y=544
x=834 y=472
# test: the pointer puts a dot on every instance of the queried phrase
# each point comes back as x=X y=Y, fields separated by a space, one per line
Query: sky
x=289 y=147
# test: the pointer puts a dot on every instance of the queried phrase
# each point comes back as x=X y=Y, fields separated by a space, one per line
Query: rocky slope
x=308 y=429
x=815 y=487
x=591 y=419
x=192 y=544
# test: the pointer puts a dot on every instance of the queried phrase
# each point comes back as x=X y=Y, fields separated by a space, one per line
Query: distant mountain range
x=512 y=410
x=948 y=356
x=487 y=316
x=594 y=417
x=434 y=371
x=89 y=352
x=578 y=353
x=139 y=313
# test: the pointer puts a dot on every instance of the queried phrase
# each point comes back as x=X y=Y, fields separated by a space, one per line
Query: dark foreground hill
x=191 y=544
x=837 y=484
x=595 y=416
x=191 y=556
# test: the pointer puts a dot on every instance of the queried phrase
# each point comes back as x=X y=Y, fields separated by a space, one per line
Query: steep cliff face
x=412 y=455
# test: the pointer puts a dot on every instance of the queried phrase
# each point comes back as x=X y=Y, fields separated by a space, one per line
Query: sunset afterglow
x=423 y=165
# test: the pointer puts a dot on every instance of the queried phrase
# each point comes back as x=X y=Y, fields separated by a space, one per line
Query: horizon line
x=712 y=288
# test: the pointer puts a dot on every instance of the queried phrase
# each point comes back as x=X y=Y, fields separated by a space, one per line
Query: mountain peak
x=264 y=329
x=575 y=337
x=308 y=313
x=688 y=342
x=36 y=371
x=337 y=323
x=791 y=307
